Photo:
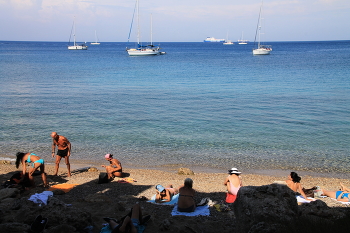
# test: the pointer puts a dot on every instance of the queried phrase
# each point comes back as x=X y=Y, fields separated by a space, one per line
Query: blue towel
x=200 y=210
x=172 y=202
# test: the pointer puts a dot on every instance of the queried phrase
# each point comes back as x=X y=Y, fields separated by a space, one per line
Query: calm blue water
x=202 y=104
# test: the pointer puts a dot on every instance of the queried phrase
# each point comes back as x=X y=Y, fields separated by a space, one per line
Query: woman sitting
x=186 y=202
x=233 y=182
x=293 y=182
x=165 y=194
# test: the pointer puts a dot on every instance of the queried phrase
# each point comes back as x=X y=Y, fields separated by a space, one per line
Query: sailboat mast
x=151 y=31
x=138 y=23
x=74 y=30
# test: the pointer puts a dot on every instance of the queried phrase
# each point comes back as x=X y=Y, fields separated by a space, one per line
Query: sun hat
x=160 y=188
x=107 y=156
x=233 y=171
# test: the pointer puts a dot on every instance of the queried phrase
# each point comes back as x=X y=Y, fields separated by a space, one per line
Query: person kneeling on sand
x=114 y=169
x=132 y=222
x=294 y=184
x=165 y=194
x=186 y=202
x=36 y=162
x=233 y=183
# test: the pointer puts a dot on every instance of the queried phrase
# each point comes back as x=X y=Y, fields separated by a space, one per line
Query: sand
x=121 y=196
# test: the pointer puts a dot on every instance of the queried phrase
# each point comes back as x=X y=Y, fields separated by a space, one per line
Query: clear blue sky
x=174 y=21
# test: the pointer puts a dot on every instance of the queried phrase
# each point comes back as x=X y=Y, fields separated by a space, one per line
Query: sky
x=174 y=20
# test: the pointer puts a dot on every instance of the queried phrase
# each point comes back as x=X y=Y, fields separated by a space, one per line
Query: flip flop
x=38 y=225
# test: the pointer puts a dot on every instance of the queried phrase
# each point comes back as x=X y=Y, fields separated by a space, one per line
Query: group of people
x=63 y=151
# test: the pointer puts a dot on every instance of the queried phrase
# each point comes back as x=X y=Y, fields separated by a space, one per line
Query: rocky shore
x=82 y=208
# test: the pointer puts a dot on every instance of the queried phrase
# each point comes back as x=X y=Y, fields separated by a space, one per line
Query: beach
x=115 y=199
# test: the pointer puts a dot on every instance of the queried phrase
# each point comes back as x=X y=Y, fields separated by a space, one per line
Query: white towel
x=200 y=210
x=173 y=200
x=41 y=198
x=343 y=202
x=301 y=199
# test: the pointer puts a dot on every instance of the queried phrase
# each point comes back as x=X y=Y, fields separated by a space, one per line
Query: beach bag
x=310 y=192
x=230 y=198
x=103 y=178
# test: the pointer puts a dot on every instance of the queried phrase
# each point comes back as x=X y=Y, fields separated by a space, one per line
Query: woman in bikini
x=294 y=184
x=186 y=202
x=36 y=162
x=340 y=195
x=165 y=194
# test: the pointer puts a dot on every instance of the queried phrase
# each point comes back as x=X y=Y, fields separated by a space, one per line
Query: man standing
x=63 y=151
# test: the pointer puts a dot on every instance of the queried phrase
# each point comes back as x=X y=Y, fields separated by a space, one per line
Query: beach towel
x=41 y=198
x=173 y=201
x=301 y=199
x=200 y=210
x=64 y=187
x=342 y=202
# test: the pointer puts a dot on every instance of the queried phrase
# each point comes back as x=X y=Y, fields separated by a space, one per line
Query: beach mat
x=64 y=187
x=200 y=210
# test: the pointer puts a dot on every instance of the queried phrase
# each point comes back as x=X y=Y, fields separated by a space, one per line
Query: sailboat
x=96 y=40
x=262 y=49
x=227 y=41
x=76 y=46
x=241 y=41
x=142 y=50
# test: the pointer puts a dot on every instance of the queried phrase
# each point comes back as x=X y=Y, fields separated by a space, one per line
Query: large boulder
x=8 y=192
x=267 y=208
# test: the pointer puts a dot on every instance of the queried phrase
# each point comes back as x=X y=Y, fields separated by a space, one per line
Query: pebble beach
x=114 y=199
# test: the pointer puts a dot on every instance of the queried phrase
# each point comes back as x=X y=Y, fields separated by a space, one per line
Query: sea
x=205 y=106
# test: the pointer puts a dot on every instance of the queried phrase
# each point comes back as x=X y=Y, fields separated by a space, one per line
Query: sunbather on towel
x=294 y=184
x=186 y=202
x=165 y=194
x=340 y=195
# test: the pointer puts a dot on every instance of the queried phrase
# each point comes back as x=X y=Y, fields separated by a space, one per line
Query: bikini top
x=28 y=159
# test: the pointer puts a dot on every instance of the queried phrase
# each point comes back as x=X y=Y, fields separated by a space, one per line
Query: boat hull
x=77 y=47
x=261 y=51
x=143 y=52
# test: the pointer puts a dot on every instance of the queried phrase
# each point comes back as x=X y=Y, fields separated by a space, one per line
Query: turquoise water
x=201 y=105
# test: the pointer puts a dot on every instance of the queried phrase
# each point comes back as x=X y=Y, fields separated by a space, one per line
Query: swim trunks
x=62 y=153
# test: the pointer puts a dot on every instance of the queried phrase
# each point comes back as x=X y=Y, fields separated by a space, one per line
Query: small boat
x=213 y=39
x=143 y=50
x=96 y=40
x=76 y=46
x=242 y=41
x=227 y=41
x=262 y=49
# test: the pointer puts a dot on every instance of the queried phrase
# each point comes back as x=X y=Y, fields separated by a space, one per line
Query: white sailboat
x=96 y=40
x=262 y=49
x=242 y=41
x=76 y=46
x=141 y=50
x=227 y=41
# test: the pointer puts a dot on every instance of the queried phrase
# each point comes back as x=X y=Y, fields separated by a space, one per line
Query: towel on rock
x=41 y=198
x=301 y=199
x=200 y=210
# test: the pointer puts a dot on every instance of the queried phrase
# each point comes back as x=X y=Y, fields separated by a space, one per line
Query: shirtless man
x=115 y=168
x=63 y=151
